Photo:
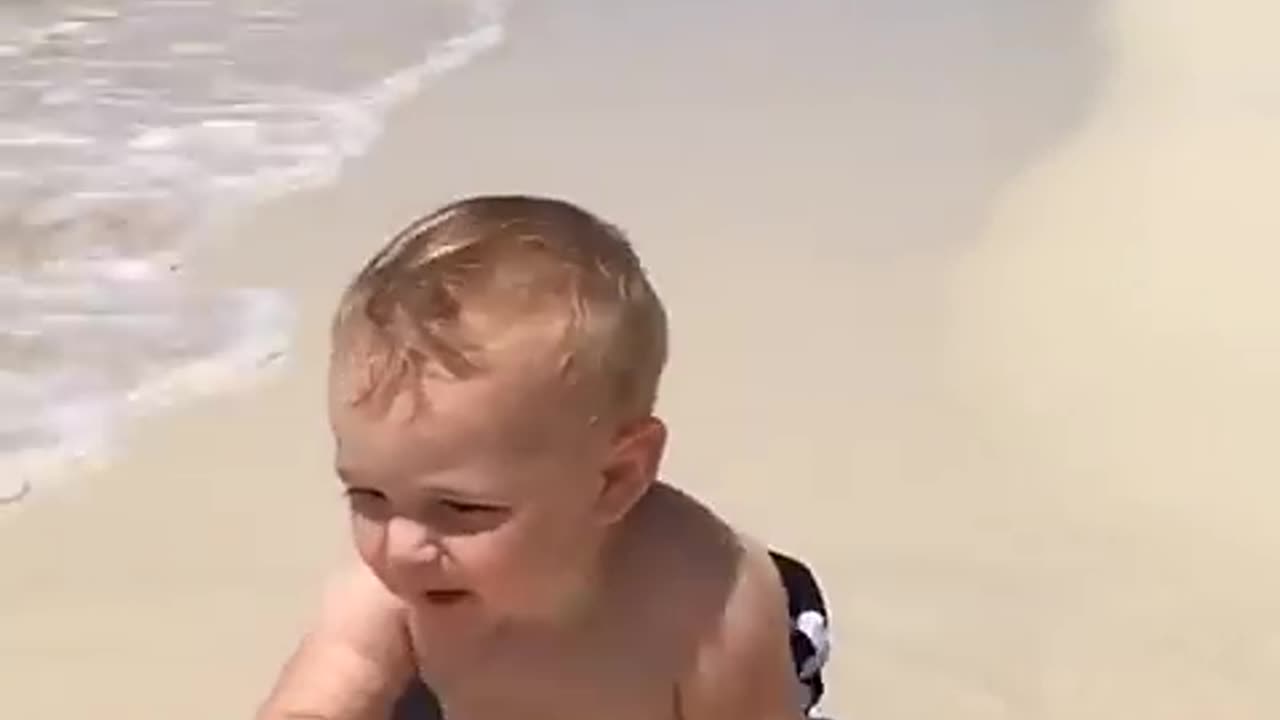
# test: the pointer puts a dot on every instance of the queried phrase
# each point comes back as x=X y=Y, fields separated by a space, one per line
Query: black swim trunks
x=810 y=642
x=810 y=625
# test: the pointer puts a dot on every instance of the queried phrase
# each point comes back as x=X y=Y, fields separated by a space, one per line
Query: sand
x=972 y=309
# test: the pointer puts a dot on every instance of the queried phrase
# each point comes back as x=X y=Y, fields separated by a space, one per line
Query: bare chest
x=620 y=676
x=547 y=695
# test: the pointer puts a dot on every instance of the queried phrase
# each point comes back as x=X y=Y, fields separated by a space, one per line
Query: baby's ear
x=632 y=467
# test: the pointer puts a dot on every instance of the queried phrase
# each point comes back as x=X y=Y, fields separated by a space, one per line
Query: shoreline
x=102 y=280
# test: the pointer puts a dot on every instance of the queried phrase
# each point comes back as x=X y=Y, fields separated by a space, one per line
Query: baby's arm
x=353 y=663
x=744 y=669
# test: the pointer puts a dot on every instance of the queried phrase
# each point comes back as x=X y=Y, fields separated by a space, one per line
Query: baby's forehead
x=502 y=413
x=475 y=454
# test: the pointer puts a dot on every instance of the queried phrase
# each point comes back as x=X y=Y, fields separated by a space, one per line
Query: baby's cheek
x=368 y=536
x=499 y=561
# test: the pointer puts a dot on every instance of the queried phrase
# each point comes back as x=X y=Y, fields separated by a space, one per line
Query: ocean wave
x=129 y=127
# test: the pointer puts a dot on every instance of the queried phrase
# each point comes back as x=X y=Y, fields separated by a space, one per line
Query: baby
x=491 y=395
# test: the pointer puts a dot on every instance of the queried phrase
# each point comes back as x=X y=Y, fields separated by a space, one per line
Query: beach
x=971 y=309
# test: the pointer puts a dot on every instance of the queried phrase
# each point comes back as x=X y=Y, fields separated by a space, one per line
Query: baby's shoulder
x=717 y=595
x=686 y=533
x=685 y=554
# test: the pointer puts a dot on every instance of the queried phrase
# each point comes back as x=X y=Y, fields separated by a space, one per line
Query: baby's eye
x=467 y=508
x=366 y=502
x=362 y=494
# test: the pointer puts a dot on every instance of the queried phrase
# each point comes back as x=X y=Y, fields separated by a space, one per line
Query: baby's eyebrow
x=350 y=477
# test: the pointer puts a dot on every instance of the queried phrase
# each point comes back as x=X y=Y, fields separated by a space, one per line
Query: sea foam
x=126 y=129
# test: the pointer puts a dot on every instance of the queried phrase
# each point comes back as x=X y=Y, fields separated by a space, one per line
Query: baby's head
x=491 y=391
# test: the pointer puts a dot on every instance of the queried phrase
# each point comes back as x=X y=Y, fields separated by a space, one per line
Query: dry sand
x=973 y=309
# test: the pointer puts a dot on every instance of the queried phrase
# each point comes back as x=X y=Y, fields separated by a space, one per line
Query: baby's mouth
x=445 y=597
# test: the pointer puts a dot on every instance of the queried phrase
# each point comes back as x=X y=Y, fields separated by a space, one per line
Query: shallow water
x=127 y=128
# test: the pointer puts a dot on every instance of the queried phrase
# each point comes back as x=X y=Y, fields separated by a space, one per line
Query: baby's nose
x=410 y=543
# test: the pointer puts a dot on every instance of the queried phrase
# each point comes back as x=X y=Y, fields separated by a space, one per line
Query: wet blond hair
x=509 y=260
